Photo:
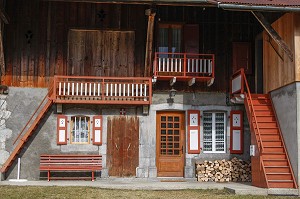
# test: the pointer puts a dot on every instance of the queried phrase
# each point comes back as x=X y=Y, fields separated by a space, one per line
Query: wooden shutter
x=61 y=129
x=193 y=131
x=97 y=130
x=236 y=132
x=191 y=38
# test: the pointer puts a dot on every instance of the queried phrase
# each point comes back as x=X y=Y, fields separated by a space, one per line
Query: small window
x=214 y=132
x=80 y=130
x=169 y=38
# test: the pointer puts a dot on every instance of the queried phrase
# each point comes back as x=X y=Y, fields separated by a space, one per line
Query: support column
x=149 y=42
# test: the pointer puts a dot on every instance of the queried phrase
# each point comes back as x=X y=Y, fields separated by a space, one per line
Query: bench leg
x=48 y=175
x=93 y=176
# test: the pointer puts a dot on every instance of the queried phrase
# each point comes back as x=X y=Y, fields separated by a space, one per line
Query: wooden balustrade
x=102 y=90
x=184 y=65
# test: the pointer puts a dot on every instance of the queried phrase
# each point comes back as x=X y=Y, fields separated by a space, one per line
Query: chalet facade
x=153 y=87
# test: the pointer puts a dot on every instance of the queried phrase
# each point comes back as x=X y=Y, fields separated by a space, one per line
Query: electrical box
x=252 y=150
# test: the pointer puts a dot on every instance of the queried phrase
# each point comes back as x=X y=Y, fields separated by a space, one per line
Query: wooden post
x=149 y=42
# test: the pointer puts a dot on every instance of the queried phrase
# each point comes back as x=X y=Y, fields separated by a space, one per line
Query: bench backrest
x=71 y=160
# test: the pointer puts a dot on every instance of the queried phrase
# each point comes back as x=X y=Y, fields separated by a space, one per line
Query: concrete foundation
x=286 y=101
x=22 y=102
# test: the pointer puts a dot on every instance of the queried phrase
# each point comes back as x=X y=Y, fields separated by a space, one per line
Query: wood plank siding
x=278 y=69
x=37 y=40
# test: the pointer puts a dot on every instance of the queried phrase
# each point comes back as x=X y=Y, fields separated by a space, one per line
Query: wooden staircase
x=275 y=165
x=29 y=129
x=270 y=163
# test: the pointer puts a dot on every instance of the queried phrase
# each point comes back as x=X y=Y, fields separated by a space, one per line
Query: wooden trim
x=61 y=128
x=236 y=127
x=192 y=127
x=97 y=128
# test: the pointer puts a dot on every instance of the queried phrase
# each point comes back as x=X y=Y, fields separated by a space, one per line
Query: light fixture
x=172 y=93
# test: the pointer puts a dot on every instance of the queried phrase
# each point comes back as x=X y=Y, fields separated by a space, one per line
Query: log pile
x=235 y=170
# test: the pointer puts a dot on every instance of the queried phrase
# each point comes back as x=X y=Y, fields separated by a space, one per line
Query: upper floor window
x=214 y=132
x=80 y=129
x=169 y=38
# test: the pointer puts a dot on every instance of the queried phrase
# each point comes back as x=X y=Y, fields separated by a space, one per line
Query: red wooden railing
x=102 y=90
x=184 y=65
x=237 y=87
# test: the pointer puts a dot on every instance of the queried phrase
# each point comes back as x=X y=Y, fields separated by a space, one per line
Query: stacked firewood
x=235 y=170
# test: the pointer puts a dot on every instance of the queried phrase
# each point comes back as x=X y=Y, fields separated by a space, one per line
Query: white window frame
x=88 y=120
x=213 y=121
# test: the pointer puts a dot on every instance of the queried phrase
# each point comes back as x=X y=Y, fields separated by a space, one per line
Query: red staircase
x=30 y=127
x=271 y=167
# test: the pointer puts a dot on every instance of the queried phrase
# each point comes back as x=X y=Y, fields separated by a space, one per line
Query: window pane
x=80 y=129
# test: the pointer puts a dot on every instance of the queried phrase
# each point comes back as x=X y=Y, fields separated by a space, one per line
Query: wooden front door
x=170 y=141
x=122 y=145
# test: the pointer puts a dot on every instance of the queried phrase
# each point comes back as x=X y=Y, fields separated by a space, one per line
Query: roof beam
x=272 y=32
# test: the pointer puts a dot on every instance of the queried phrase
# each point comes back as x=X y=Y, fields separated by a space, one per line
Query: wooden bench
x=69 y=162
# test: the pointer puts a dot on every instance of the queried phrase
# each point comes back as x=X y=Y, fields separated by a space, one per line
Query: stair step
x=281 y=184
x=264 y=118
x=269 y=137
x=279 y=176
x=266 y=113
x=260 y=96
x=275 y=162
x=274 y=149
x=277 y=169
x=269 y=131
x=272 y=143
x=258 y=102
x=265 y=125
x=263 y=108
x=268 y=155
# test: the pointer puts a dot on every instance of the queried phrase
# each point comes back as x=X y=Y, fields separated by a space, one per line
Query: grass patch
x=31 y=192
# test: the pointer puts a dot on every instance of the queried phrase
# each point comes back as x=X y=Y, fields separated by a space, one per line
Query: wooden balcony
x=184 y=67
x=102 y=90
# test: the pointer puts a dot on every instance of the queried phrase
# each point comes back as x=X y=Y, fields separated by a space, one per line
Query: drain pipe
x=257 y=8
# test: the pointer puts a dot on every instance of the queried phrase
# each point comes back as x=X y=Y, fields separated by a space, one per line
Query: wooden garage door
x=170 y=144
x=122 y=145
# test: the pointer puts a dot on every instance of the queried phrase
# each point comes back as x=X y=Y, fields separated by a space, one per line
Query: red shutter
x=97 y=130
x=193 y=131
x=236 y=132
x=61 y=129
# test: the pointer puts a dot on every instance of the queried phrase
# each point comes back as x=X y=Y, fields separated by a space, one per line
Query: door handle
x=117 y=146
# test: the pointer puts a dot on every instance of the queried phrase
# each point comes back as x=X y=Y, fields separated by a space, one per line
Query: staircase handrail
x=244 y=80
x=30 y=119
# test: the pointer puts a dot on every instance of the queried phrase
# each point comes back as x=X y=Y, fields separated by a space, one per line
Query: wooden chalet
x=151 y=86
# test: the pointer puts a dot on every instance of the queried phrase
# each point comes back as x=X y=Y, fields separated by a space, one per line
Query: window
x=169 y=38
x=80 y=130
x=214 y=132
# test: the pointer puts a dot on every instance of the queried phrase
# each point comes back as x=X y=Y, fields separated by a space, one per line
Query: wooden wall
x=36 y=40
x=278 y=69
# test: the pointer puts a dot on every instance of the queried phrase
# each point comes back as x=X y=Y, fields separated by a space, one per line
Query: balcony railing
x=184 y=66
x=102 y=90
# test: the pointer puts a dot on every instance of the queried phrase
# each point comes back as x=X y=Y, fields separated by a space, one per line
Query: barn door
x=101 y=53
x=170 y=144
x=122 y=145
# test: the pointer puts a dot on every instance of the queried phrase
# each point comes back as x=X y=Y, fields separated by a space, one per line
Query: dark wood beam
x=149 y=42
x=3 y=15
x=275 y=36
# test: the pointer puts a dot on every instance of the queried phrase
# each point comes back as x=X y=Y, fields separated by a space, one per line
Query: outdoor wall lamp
x=172 y=94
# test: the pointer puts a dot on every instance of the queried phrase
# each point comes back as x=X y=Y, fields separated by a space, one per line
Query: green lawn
x=30 y=192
